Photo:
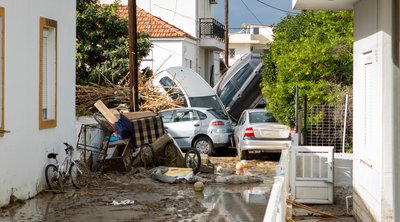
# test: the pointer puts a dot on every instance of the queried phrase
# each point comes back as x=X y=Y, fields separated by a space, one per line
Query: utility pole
x=133 y=59
x=226 y=34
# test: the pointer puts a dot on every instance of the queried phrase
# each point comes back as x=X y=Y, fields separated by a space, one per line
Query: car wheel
x=203 y=145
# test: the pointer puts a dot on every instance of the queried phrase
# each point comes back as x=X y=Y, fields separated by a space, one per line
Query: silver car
x=201 y=128
x=257 y=130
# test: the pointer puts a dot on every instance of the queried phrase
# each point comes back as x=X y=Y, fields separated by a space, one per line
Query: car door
x=183 y=126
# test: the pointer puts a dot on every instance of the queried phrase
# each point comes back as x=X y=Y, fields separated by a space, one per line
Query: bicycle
x=58 y=174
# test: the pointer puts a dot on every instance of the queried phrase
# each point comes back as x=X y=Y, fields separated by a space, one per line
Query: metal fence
x=329 y=126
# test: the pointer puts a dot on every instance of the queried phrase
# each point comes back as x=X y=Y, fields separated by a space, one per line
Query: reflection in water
x=236 y=203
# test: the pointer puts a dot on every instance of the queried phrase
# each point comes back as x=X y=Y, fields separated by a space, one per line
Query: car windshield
x=209 y=102
x=227 y=93
x=261 y=117
x=173 y=90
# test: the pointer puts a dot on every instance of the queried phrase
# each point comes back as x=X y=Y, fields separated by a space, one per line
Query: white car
x=197 y=127
x=187 y=85
x=257 y=130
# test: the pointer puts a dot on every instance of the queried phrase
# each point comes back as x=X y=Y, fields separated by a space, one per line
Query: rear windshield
x=209 y=102
x=261 y=117
x=227 y=93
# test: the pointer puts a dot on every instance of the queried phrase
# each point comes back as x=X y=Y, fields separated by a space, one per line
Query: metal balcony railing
x=211 y=28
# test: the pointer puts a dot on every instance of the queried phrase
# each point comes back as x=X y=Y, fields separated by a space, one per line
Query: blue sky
x=239 y=14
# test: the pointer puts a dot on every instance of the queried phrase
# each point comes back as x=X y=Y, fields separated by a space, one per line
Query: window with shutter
x=369 y=99
x=48 y=74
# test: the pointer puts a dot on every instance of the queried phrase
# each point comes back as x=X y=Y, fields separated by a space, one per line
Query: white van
x=184 y=83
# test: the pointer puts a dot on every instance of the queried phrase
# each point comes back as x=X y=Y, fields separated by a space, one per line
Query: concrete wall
x=373 y=127
x=24 y=150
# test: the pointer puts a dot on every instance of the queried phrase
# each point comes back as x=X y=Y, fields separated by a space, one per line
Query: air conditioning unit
x=213 y=1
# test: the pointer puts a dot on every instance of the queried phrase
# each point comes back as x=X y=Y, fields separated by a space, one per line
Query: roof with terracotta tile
x=155 y=26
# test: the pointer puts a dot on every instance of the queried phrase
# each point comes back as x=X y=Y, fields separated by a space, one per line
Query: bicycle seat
x=52 y=155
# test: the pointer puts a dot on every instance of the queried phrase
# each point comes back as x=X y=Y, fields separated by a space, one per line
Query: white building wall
x=169 y=52
x=205 y=9
x=372 y=127
x=190 y=54
x=164 y=54
x=24 y=150
x=240 y=50
x=180 y=13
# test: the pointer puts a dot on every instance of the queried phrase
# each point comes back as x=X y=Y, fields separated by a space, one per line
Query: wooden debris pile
x=151 y=98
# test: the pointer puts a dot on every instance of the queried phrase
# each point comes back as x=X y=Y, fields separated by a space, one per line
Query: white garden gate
x=312 y=174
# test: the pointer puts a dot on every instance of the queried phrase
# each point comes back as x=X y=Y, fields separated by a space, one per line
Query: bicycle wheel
x=193 y=160
x=52 y=178
x=79 y=174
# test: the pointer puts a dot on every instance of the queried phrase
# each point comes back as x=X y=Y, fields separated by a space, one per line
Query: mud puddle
x=236 y=203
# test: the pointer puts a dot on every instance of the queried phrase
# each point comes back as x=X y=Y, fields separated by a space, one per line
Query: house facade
x=171 y=45
x=37 y=91
x=376 y=123
x=195 y=17
x=252 y=38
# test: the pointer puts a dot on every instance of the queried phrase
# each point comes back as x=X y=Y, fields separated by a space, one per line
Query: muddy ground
x=153 y=200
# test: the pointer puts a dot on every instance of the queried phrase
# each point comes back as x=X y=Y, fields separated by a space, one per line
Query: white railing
x=276 y=208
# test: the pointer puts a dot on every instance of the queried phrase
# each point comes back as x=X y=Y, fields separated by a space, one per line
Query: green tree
x=102 y=43
x=314 y=51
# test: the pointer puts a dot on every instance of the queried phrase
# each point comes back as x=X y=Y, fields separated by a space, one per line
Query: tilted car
x=239 y=88
x=198 y=127
x=257 y=130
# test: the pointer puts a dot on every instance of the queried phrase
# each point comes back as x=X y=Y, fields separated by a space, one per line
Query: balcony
x=212 y=34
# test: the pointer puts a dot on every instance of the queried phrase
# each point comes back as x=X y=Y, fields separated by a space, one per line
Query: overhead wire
x=271 y=6
x=251 y=12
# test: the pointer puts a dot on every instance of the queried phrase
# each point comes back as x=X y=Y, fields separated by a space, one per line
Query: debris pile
x=151 y=97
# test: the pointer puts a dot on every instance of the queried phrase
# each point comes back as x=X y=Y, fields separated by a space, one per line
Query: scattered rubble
x=151 y=99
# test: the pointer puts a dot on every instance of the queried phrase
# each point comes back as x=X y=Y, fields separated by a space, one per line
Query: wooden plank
x=110 y=117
